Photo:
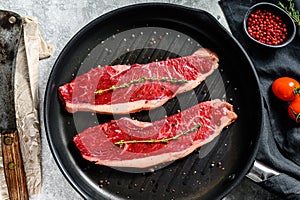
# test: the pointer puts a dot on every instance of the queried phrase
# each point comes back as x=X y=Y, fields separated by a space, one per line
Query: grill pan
x=143 y=33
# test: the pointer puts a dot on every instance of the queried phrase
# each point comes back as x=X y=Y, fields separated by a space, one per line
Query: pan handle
x=260 y=172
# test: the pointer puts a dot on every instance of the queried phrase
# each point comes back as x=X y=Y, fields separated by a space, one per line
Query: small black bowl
x=286 y=19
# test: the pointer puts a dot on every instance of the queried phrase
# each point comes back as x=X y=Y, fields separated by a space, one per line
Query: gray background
x=59 y=21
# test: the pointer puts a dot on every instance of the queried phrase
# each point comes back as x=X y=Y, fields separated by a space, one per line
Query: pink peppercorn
x=266 y=27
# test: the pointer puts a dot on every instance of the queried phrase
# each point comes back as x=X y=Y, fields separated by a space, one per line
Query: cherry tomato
x=294 y=109
x=284 y=88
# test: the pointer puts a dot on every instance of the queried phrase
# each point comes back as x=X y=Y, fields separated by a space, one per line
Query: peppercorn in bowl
x=269 y=25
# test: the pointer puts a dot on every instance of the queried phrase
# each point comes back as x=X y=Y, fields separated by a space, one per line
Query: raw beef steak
x=124 y=89
x=131 y=143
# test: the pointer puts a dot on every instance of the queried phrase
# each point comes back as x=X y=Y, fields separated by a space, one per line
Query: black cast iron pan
x=143 y=33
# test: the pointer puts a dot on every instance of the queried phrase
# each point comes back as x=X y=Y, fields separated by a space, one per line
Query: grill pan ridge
x=143 y=33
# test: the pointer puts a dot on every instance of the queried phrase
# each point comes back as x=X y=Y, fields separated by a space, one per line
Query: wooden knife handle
x=13 y=166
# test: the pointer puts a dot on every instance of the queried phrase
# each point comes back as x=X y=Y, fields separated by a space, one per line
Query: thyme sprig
x=290 y=9
x=297 y=116
x=163 y=140
x=142 y=80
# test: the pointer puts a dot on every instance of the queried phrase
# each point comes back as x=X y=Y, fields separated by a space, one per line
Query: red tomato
x=294 y=110
x=284 y=88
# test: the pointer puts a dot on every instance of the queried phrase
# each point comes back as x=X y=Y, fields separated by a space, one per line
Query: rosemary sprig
x=290 y=9
x=142 y=80
x=163 y=140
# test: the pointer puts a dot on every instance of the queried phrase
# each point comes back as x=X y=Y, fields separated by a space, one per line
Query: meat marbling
x=162 y=81
x=105 y=144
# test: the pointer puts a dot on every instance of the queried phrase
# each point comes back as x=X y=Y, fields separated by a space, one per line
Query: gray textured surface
x=59 y=21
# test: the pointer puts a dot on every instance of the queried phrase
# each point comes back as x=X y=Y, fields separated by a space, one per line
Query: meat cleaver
x=10 y=34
